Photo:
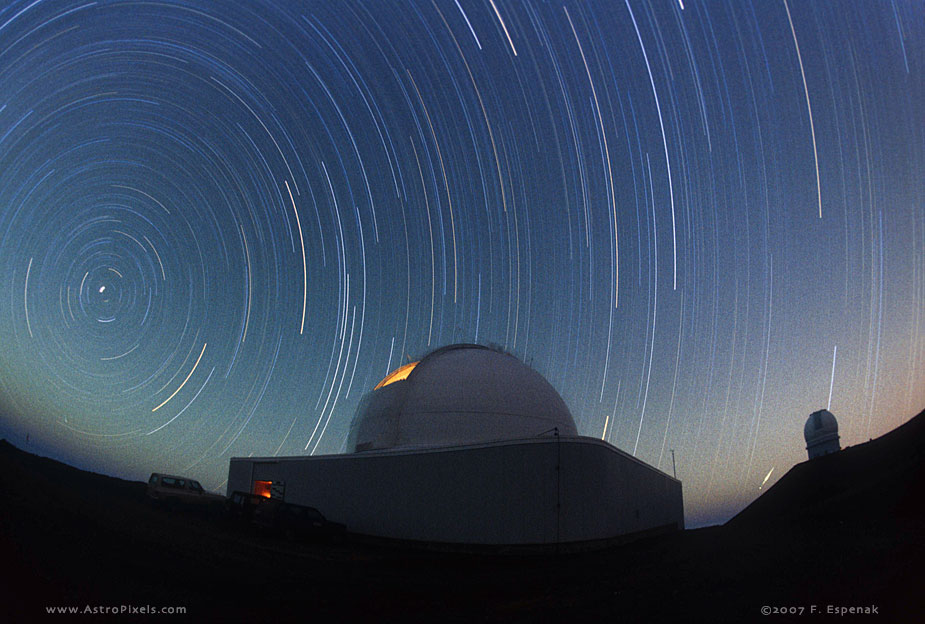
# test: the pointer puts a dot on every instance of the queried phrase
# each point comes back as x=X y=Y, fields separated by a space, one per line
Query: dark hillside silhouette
x=842 y=530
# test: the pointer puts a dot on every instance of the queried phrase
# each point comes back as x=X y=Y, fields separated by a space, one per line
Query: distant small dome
x=821 y=433
x=820 y=426
x=458 y=395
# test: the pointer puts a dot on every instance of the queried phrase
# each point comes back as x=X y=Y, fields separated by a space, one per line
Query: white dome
x=458 y=395
x=821 y=426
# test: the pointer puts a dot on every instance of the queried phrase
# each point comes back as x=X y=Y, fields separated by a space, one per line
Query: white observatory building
x=471 y=446
x=821 y=433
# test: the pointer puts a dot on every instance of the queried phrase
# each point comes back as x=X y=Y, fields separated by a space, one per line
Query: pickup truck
x=295 y=522
x=173 y=491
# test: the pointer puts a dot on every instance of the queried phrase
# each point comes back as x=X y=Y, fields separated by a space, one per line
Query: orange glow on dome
x=397 y=375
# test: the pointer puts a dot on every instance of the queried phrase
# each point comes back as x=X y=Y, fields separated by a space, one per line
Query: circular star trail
x=222 y=223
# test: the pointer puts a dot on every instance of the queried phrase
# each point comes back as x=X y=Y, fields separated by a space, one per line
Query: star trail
x=222 y=223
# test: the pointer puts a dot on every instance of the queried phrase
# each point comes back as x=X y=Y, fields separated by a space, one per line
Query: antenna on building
x=558 y=487
x=674 y=470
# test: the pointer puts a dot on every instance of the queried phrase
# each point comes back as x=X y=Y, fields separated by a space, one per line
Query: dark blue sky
x=222 y=223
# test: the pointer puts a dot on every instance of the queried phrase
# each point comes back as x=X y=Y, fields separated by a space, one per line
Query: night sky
x=221 y=224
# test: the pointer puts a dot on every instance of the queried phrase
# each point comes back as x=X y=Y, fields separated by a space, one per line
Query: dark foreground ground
x=844 y=530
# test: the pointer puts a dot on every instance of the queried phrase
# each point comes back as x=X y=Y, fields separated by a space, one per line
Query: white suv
x=172 y=490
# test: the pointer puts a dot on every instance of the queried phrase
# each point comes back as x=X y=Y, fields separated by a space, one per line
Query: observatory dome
x=821 y=433
x=458 y=395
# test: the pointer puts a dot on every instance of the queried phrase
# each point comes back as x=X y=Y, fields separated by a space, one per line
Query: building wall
x=495 y=493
